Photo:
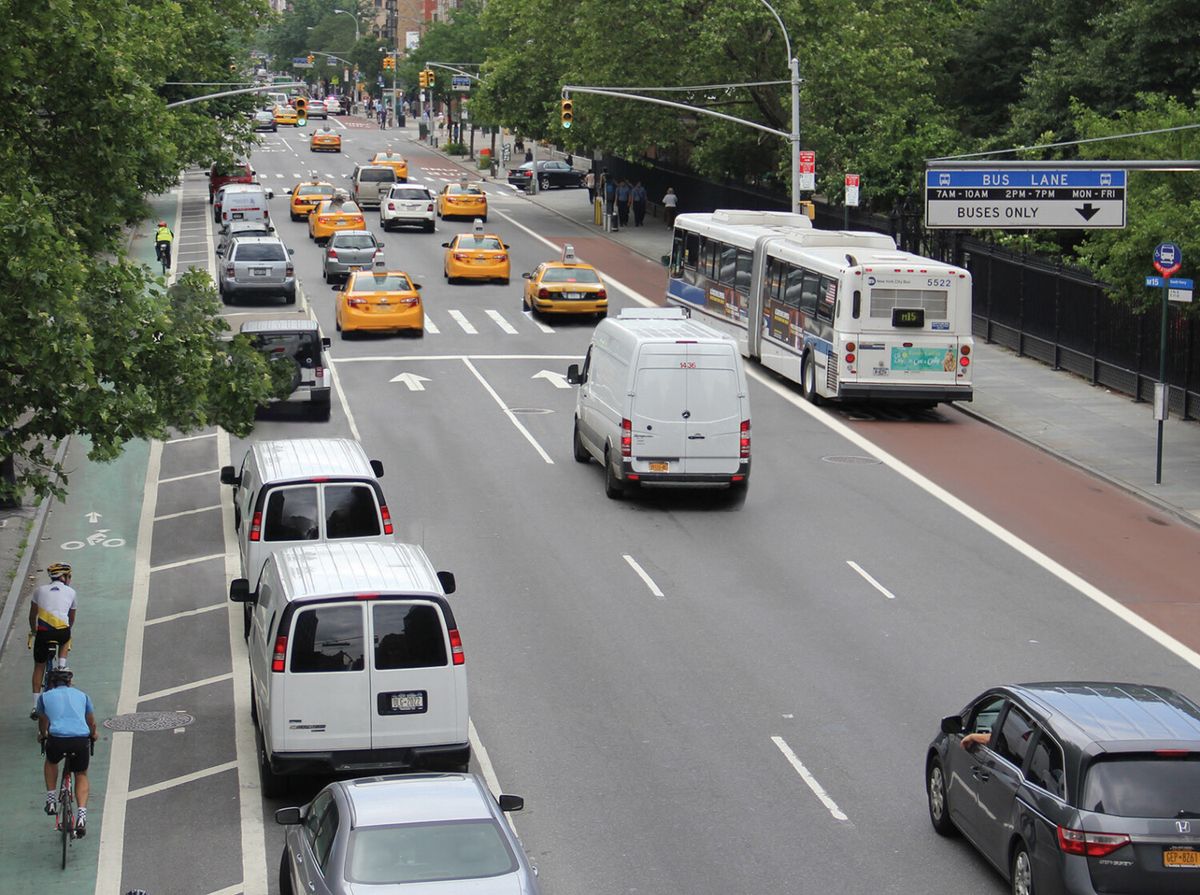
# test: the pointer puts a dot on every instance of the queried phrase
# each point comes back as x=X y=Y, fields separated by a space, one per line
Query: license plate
x=259 y=271
x=659 y=465
x=237 y=216
x=572 y=295
x=1181 y=857
x=403 y=702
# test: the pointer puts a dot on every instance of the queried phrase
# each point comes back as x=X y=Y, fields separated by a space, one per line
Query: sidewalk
x=1103 y=432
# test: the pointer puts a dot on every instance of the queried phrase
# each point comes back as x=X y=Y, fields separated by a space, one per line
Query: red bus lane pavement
x=1141 y=556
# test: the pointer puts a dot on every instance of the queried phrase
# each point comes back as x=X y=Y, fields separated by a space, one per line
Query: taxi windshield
x=569 y=275
x=381 y=282
x=479 y=242
x=340 y=208
x=389 y=157
x=314 y=189
x=465 y=191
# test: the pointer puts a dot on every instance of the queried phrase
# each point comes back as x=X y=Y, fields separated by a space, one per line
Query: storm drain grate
x=139 y=721
x=851 y=460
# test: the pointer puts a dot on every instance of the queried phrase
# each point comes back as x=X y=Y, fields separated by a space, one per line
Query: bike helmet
x=58 y=569
x=162 y=223
x=60 y=676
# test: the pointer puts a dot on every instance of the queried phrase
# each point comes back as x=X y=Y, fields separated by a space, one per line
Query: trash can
x=401 y=120
x=423 y=130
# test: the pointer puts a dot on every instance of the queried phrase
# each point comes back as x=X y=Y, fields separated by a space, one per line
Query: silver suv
x=348 y=249
x=257 y=265
x=299 y=344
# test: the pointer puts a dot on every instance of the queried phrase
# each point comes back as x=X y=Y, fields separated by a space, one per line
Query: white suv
x=407 y=203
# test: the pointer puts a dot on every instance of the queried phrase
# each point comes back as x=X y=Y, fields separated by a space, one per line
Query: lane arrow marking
x=558 y=380
x=94 y=517
x=412 y=380
x=1088 y=211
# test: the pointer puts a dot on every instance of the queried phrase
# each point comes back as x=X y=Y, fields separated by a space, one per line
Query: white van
x=662 y=400
x=301 y=491
x=356 y=663
x=241 y=202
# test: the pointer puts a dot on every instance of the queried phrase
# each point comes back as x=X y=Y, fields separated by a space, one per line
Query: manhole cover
x=137 y=721
x=529 y=410
x=851 y=460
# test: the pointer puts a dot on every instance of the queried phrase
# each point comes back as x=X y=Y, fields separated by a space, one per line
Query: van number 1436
x=687 y=365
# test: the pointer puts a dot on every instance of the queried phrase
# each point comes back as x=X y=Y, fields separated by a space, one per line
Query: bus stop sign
x=1168 y=258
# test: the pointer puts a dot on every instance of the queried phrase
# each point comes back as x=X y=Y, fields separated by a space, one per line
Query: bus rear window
x=934 y=302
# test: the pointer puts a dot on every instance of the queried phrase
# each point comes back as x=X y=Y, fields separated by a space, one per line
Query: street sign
x=1011 y=199
x=852 y=190
x=1168 y=258
x=301 y=62
x=461 y=83
x=808 y=170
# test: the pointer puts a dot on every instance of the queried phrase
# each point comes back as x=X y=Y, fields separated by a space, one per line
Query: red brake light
x=290 y=270
x=387 y=519
x=461 y=256
x=966 y=349
x=319 y=372
x=744 y=444
x=626 y=438
x=366 y=596
x=501 y=258
x=1091 y=845
x=849 y=358
x=430 y=208
x=333 y=256
x=256 y=527
x=280 y=653
x=356 y=302
x=964 y=361
x=849 y=346
x=602 y=294
x=543 y=293
x=391 y=205
x=456 y=647
x=1172 y=753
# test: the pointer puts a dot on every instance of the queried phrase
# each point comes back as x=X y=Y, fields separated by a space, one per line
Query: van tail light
x=290 y=270
x=456 y=648
x=1088 y=844
x=387 y=519
x=543 y=293
x=744 y=443
x=256 y=527
x=230 y=270
x=602 y=294
x=280 y=653
x=626 y=438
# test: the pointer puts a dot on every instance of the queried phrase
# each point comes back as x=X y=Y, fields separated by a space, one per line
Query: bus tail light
x=744 y=443
x=456 y=647
x=386 y=515
x=1088 y=844
x=965 y=360
x=256 y=527
x=626 y=438
x=280 y=653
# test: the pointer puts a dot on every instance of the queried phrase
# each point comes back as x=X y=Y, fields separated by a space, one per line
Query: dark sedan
x=550 y=174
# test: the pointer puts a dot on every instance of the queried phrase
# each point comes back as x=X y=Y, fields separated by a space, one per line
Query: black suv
x=300 y=344
x=1074 y=787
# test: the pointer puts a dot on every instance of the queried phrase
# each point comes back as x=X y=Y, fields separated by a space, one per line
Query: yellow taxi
x=476 y=256
x=285 y=115
x=462 y=200
x=331 y=215
x=395 y=161
x=379 y=300
x=325 y=140
x=308 y=195
x=566 y=286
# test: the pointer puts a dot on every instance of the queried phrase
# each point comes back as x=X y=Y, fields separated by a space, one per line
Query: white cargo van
x=662 y=400
x=301 y=491
x=356 y=663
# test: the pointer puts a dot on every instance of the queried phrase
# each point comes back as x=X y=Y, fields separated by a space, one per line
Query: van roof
x=291 y=459
x=649 y=327
x=355 y=567
x=1115 y=713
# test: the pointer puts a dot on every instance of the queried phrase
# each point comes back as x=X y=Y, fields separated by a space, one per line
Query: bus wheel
x=808 y=380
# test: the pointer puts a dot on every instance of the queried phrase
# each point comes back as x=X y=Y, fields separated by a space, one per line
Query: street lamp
x=356 y=31
x=794 y=67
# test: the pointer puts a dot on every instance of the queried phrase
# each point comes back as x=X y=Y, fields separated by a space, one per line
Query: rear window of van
x=377 y=174
x=407 y=635
x=328 y=638
x=293 y=513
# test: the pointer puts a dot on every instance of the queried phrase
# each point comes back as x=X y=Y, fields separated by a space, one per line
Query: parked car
x=264 y=120
x=407 y=203
x=550 y=174
x=257 y=265
x=1075 y=787
x=413 y=833
x=333 y=105
x=221 y=173
x=348 y=249
x=299 y=344
x=237 y=229
x=317 y=109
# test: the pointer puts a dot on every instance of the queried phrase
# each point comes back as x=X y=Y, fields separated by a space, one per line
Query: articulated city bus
x=845 y=314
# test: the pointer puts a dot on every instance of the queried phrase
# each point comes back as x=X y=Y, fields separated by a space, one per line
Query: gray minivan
x=371 y=183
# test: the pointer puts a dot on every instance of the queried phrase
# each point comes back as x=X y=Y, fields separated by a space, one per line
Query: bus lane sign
x=1025 y=199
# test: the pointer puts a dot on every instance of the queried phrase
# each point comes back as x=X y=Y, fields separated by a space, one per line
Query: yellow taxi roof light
x=380 y=262
x=478 y=226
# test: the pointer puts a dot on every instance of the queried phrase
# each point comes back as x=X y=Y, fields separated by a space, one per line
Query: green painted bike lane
x=30 y=849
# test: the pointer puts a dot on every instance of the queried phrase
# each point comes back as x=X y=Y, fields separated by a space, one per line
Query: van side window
x=1013 y=740
x=292 y=515
x=328 y=638
x=350 y=512
x=1046 y=766
x=407 y=636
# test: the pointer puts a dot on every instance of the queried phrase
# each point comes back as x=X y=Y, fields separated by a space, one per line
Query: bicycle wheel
x=66 y=809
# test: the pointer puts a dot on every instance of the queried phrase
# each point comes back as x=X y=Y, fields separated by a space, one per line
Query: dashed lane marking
x=186 y=562
x=212 y=434
x=649 y=582
x=180 y=781
x=511 y=416
x=871 y=581
x=501 y=322
x=431 y=327
x=809 y=779
x=174 y=616
x=183 y=688
x=163 y=518
x=190 y=475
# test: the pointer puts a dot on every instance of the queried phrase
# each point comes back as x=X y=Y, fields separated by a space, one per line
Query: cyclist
x=163 y=237
x=66 y=726
x=51 y=616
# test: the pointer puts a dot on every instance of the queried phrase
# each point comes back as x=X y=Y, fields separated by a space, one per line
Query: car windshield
x=313 y=190
x=569 y=275
x=381 y=282
x=302 y=346
x=389 y=157
x=413 y=853
x=259 y=251
x=1161 y=786
x=465 y=191
x=353 y=241
x=479 y=242
x=409 y=193
x=377 y=174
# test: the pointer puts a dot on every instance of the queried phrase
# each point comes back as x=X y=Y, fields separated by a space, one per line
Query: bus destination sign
x=1020 y=199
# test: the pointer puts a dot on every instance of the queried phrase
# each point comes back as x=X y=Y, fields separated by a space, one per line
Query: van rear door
x=714 y=406
x=418 y=696
x=658 y=409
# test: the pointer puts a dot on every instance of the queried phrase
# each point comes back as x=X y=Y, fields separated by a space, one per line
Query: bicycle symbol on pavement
x=98 y=538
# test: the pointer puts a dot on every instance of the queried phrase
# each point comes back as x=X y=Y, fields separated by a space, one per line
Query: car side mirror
x=526 y=276
x=326 y=342
x=239 y=591
x=220 y=250
x=270 y=193
x=417 y=286
x=229 y=476
x=291 y=251
x=445 y=245
x=666 y=260
x=289 y=817
x=447 y=581
x=573 y=376
x=377 y=468
x=952 y=724
x=339 y=287
x=510 y=803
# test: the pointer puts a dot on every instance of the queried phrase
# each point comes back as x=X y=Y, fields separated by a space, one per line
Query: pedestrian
x=624 y=191
x=637 y=198
x=519 y=143
x=670 y=204
x=570 y=160
x=589 y=181
x=382 y=116
x=529 y=155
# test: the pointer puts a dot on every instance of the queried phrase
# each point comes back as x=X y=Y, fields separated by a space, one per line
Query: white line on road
x=543 y=327
x=431 y=327
x=235 y=889
x=186 y=562
x=462 y=321
x=163 y=518
x=188 y=613
x=179 y=781
x=183 y=688
x=875 y=584
x=512 y=418
x=337 y=387
x=485 y=766
x=193 y=475
x=633 y=563
x=406 y=357
x=501 y=322
x=212 y=434
x=808 y=778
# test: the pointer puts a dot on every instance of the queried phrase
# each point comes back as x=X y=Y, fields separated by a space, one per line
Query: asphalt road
x=693 y=694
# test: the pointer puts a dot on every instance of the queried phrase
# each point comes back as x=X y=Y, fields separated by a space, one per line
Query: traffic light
x=429 y=77
x=389 y=63
x=568 y=112
x=423 y=78
x=311 y=58
x=301 y=111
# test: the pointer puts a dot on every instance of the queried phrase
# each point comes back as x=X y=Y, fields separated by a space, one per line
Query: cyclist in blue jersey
x=67 y=726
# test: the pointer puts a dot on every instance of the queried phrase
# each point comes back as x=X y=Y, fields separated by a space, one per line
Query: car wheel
x=808 y=380
x=504 y=281
x=328 y=278
x=273 y=785
x=285 y=875
x=613 y=489
x=544 y=183
x=939 y=807
x=1022 y=872
x=577 y=449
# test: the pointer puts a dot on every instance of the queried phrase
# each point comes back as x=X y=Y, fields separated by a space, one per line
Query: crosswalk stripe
x=501 y=322
x=543 y=327
x=430 y=326
x=462 y=321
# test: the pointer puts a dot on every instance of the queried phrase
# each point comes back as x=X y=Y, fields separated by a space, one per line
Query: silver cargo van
x=370 y=183
x=662 y=400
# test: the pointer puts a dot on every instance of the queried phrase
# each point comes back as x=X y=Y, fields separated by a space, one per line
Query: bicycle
x=162 y=251
x=64 y=816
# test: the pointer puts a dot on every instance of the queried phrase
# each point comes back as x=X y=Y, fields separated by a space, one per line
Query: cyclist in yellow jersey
x=51 y=616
